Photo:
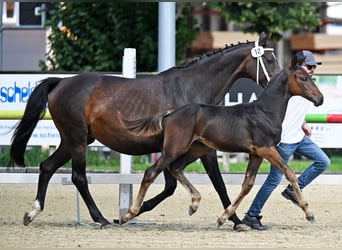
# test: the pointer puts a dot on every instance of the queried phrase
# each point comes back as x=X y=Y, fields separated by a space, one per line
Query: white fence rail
x=135 y=178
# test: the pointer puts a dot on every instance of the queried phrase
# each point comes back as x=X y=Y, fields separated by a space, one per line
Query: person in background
x=295 y=138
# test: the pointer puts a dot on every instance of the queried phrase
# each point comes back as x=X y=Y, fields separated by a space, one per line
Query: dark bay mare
x=85 y=107
x=254 y=128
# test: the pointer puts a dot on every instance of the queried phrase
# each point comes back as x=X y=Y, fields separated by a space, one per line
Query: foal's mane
x=206 y=55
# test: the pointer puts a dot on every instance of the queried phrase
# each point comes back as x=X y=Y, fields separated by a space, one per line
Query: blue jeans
x=305 y=147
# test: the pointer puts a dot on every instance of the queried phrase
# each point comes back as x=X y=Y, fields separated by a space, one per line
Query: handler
x=295 y=137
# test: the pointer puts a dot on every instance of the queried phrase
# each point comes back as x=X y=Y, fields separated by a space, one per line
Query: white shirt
x=292 y=131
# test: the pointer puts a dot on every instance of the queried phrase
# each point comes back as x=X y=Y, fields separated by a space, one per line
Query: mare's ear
x=263 y=39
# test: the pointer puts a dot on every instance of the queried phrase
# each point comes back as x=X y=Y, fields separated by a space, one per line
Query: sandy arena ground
x=168 y=225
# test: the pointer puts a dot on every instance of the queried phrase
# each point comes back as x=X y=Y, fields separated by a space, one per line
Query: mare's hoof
x=241 y=228
x=27 y=219
x=106 y=226
x=310 y=218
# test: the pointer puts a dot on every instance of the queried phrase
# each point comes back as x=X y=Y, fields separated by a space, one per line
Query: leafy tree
x=274 y=17
x=91 y=36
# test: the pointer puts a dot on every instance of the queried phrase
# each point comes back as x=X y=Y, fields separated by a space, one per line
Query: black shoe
x=254 y=222
x=290 y=194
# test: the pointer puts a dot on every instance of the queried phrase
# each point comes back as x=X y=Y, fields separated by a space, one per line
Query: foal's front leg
x=272 y=155
x=250 y=175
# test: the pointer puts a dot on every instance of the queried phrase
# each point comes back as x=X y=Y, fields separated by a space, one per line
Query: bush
x=33 y=156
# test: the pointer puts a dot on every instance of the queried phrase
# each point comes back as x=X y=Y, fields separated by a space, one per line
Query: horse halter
x=257 y=52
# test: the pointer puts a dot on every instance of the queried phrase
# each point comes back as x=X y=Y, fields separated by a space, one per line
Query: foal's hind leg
x=150 y=175
x=170 y=181
x=169 y=189
x=47 y=169
x=195 y=195
x=250 y=175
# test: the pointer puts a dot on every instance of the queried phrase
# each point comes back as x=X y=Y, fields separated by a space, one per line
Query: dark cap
x=309 y=58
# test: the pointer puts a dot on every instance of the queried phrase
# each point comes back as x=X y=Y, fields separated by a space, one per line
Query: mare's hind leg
x=47 y=169
x=80 y=181
x=211 y=166
x=250 y=175
x=272 y=155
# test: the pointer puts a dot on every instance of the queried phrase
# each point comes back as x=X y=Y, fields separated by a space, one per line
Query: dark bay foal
x=254 y=128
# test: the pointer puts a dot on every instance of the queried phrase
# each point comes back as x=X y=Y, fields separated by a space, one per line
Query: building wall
x=22 y=35
x=22 y=49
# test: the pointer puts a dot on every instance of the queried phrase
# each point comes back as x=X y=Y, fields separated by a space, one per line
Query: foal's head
x=301 y=83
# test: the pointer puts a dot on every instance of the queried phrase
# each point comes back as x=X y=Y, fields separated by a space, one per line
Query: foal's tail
x=34 y=111
x=147 y=126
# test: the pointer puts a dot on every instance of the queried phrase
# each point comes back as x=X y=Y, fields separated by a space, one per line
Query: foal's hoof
x=310 y=218
x=122 y=220
x=27 y=220
x=220 y=221
x=118 y=221
x=192 y=210
x=125 y=218
x=241 y=228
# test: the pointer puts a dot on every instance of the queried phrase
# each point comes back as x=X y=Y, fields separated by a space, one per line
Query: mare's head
x=261 y=62
x=301 y=83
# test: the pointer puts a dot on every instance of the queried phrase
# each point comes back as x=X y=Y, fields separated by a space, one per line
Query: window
x=27 y=15
x=10 y=13
x=24 y=13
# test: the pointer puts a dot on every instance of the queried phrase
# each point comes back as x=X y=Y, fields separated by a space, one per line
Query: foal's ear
x=263 y=38
x=297 y=61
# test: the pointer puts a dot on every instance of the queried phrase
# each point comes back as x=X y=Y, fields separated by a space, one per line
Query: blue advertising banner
x=15 y=89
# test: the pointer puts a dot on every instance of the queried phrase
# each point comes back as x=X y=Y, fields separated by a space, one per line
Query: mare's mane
x=206 y=55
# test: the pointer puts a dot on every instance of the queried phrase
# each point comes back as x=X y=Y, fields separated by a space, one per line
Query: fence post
x=126 y=190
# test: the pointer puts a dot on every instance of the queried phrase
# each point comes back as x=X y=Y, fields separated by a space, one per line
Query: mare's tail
x=34 y=111
x=147 y=126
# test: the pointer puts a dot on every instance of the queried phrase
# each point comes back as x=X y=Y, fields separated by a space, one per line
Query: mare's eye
x=304 y=78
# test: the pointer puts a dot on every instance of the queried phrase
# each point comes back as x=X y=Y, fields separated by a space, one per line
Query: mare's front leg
x=250 y=175
x=47 y=169
x=80 y=181
x=272 y=155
